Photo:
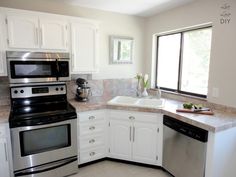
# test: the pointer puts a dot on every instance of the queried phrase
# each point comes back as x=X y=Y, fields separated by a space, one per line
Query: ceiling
x=142 y=8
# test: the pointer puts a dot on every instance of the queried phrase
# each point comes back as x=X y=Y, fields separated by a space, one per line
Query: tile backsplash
x=106 y=88
x=103 y=89
x=109 y=88
x=4 y=91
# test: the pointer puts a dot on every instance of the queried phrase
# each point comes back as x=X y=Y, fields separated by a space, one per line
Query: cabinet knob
x=91 y=117
x=92 y=141
x=92 y=153
x=91 y=128
x=131 y=117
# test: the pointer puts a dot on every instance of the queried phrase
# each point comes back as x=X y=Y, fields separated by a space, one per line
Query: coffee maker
x=83 y=91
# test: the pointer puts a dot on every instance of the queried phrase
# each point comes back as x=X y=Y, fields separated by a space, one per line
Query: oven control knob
x=57 y=89
x=22 y=91
x=15 y=91
x=62 y=88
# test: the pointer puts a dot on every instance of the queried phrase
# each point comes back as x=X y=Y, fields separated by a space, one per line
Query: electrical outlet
x=215 y=92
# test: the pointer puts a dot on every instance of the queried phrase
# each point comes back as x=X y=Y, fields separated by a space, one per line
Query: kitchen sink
x=123 y=100
x=148 y=102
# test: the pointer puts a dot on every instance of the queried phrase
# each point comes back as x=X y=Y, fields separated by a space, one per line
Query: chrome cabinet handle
x=92 y=153
x=72 y=61
x=131 y=117
x=91 y=128
x=41 y=36
x=130 y=133
x=92 y=141
x=5 y=147
x=91 y=117
x=133 y=133
x=37 y=36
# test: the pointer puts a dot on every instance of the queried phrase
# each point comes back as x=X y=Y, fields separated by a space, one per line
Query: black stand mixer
x=83 y=91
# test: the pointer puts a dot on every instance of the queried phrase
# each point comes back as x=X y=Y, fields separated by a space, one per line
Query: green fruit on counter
x=188 y=105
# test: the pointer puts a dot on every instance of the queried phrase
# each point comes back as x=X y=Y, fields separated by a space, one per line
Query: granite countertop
x=4 y=113
x=220 y=121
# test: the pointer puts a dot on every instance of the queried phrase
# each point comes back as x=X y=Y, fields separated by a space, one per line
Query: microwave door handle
x=58 y=71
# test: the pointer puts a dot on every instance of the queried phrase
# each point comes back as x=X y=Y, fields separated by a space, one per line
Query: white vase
x=145 y=93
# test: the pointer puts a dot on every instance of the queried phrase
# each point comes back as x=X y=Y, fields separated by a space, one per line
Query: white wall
x=223 y=53
x=111 y=24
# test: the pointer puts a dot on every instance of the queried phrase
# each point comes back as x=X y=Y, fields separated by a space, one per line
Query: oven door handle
x=44 y=168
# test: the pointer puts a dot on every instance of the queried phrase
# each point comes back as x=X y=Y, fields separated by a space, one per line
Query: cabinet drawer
x=137 y=116
x=90 y=128
x=91 y=141
x=92 y=154
x=91 y=116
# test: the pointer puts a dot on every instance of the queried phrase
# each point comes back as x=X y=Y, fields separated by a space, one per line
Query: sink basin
x=138 y=102
x=150 y=102
x=123 y=100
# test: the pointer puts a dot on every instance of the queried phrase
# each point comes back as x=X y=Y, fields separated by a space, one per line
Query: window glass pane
x=168 y=61
x=195 y=61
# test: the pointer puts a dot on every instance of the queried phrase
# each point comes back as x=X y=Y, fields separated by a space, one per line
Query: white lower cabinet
x=92 y=133
x=145 y=142
x=5 y=149
x=136 y=136
x=120 y=139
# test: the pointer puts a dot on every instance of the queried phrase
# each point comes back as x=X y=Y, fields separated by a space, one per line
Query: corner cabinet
x=30 y=31
x=84 y=47
x=136 y=136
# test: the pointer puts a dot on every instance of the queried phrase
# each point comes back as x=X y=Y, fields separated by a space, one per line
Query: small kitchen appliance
x=83 y=91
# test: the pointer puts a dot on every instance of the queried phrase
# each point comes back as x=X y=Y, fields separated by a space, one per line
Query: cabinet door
x=22 y=31
x=53 y=34
x=84 y=48
x=120 y=139
x=145 y=136
x=3 y=69
x=4 y=165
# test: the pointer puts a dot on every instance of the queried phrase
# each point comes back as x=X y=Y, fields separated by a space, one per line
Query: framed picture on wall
x=121 y=50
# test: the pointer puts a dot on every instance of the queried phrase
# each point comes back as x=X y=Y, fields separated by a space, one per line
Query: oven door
x=32 y=70
x=37 y=145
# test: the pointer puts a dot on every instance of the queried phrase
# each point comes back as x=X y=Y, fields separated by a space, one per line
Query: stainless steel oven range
x=43 y=131
x=28 y=67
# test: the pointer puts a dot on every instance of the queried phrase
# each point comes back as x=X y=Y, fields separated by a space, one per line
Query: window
x=183 y=61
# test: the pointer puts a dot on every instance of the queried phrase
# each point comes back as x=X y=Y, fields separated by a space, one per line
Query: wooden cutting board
x=192 y=111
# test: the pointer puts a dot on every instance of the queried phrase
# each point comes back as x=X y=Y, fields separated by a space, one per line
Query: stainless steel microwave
x=29 y=67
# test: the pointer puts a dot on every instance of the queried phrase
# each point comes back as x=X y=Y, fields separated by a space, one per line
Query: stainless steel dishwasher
x=184 y=148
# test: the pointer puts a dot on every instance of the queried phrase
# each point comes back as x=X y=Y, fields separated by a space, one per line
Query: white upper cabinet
x=84 y=40
x=3 y=68
x=35 y=31
x=53 y=34
x=22 y=31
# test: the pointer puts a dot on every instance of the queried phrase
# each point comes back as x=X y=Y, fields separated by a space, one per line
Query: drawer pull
x=91 y=117
x=131 y=117
x=92 y=141
x=92 y=153
x=91 y=128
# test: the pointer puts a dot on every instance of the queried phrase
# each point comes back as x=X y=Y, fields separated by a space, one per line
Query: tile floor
x=116 y=169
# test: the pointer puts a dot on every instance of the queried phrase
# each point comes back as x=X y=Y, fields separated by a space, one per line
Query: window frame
x=178 y=90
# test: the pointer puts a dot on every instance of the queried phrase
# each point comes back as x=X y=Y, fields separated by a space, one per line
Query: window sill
x=183 y=95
